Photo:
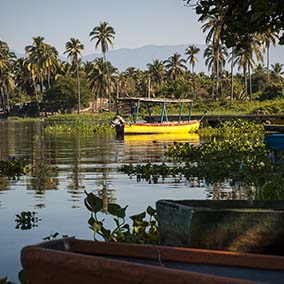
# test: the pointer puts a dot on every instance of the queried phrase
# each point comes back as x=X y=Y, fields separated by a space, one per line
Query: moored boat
x=80 y=261
x=234 y=225
x=155 y=127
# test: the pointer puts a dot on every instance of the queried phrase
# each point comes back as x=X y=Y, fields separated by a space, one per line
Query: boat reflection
x=148 y=148
x=159 y=138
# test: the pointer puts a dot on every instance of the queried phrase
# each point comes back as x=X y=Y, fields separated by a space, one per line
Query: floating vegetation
x=79 y=126
x=237 y=160
x=13 y=167
x=26 y=220
x=234 y=128
x=144 y=228
x=84 y=123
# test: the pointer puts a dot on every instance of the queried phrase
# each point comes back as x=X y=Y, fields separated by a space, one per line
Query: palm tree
x=175 y=66
x=156 y=71
x=277 y=71
x=268 y=38
x=50 y=62
x=74 y=50
x=100 y=77
x=245 y=58
x=6 y=74
x=35 y=60
x=215 y=59
x=104 y=36
x=192 y=51
x=214 y=26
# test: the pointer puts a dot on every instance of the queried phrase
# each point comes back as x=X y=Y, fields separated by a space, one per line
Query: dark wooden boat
x=233 y=225
x=79 y=261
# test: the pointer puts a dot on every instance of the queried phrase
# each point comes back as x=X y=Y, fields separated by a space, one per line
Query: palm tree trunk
x=250 y=84
x=232 y=75
x=79 y=91
x=245 y=79
x=217 y=74
x=267 y=54
x=108 y=83
x=48 y=78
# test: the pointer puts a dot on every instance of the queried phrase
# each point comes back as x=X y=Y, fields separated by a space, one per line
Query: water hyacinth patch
x=238 y=160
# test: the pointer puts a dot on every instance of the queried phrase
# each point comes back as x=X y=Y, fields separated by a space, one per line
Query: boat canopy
x=164 y=101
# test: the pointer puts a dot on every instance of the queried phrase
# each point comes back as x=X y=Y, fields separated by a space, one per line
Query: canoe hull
x=78 y=261
x=157 y=128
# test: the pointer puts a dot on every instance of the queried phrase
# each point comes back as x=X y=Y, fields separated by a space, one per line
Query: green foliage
x=73 y=123
x=272 y=91
x=233 y=128
x=5 y=281
x=13 y=168
x=63 y=94
x=274 y=106
x=79 y=126
x=149 y=172
x=143 y=230
x=100 y=117
x=237 y=160
x=26 y=220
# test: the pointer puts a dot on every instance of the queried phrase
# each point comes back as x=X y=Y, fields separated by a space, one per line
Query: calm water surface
x=61 y=168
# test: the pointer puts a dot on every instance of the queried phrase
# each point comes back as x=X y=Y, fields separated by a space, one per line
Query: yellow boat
x=165 y=127
x=162 y=126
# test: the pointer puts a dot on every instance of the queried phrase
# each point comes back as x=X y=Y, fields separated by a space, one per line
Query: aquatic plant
x=234 y=128
x=13 y=167
x=79 y=126
x=143 y=229
x=237 y=160
x=26 y=220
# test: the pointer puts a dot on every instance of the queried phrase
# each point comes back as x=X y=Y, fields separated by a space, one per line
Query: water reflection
x=61 y=168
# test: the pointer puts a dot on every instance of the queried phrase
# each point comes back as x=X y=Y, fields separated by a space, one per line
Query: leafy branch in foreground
x=143 y=230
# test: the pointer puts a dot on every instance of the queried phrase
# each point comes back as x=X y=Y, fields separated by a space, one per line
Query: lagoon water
x=62 y=167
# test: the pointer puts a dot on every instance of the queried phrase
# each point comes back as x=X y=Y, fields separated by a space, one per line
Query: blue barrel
x=275 y=141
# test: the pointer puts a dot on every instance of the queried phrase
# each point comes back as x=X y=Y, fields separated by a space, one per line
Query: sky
x=136 y=22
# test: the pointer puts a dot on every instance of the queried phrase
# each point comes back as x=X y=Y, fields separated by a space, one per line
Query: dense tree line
x=41 y=77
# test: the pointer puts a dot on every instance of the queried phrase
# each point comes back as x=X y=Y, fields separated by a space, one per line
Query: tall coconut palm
x=34 y=53
x=6 y=74
x=214 y=26
x=175 y=65
x=268 y=38
x=74 y=50
x=215 y=59
x=156 y=71
x=277 y=71
x=104 y=35
x=100 y=77
x=245 y=58
x=191 y=53
x=50 y=62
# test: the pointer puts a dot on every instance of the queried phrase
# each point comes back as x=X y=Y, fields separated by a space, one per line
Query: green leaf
x=93 y=203
x=138 y=217
x=151 y=211
x=113 y=209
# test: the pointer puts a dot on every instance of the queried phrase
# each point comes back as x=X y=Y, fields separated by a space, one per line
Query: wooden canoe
x=79 y=261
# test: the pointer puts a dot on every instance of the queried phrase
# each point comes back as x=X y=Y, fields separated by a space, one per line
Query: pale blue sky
x=136 y=22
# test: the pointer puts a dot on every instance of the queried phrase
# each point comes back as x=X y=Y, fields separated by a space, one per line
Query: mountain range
x=139 y=57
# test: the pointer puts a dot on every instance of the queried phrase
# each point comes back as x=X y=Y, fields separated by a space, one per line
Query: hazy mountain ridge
x=139 y=57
